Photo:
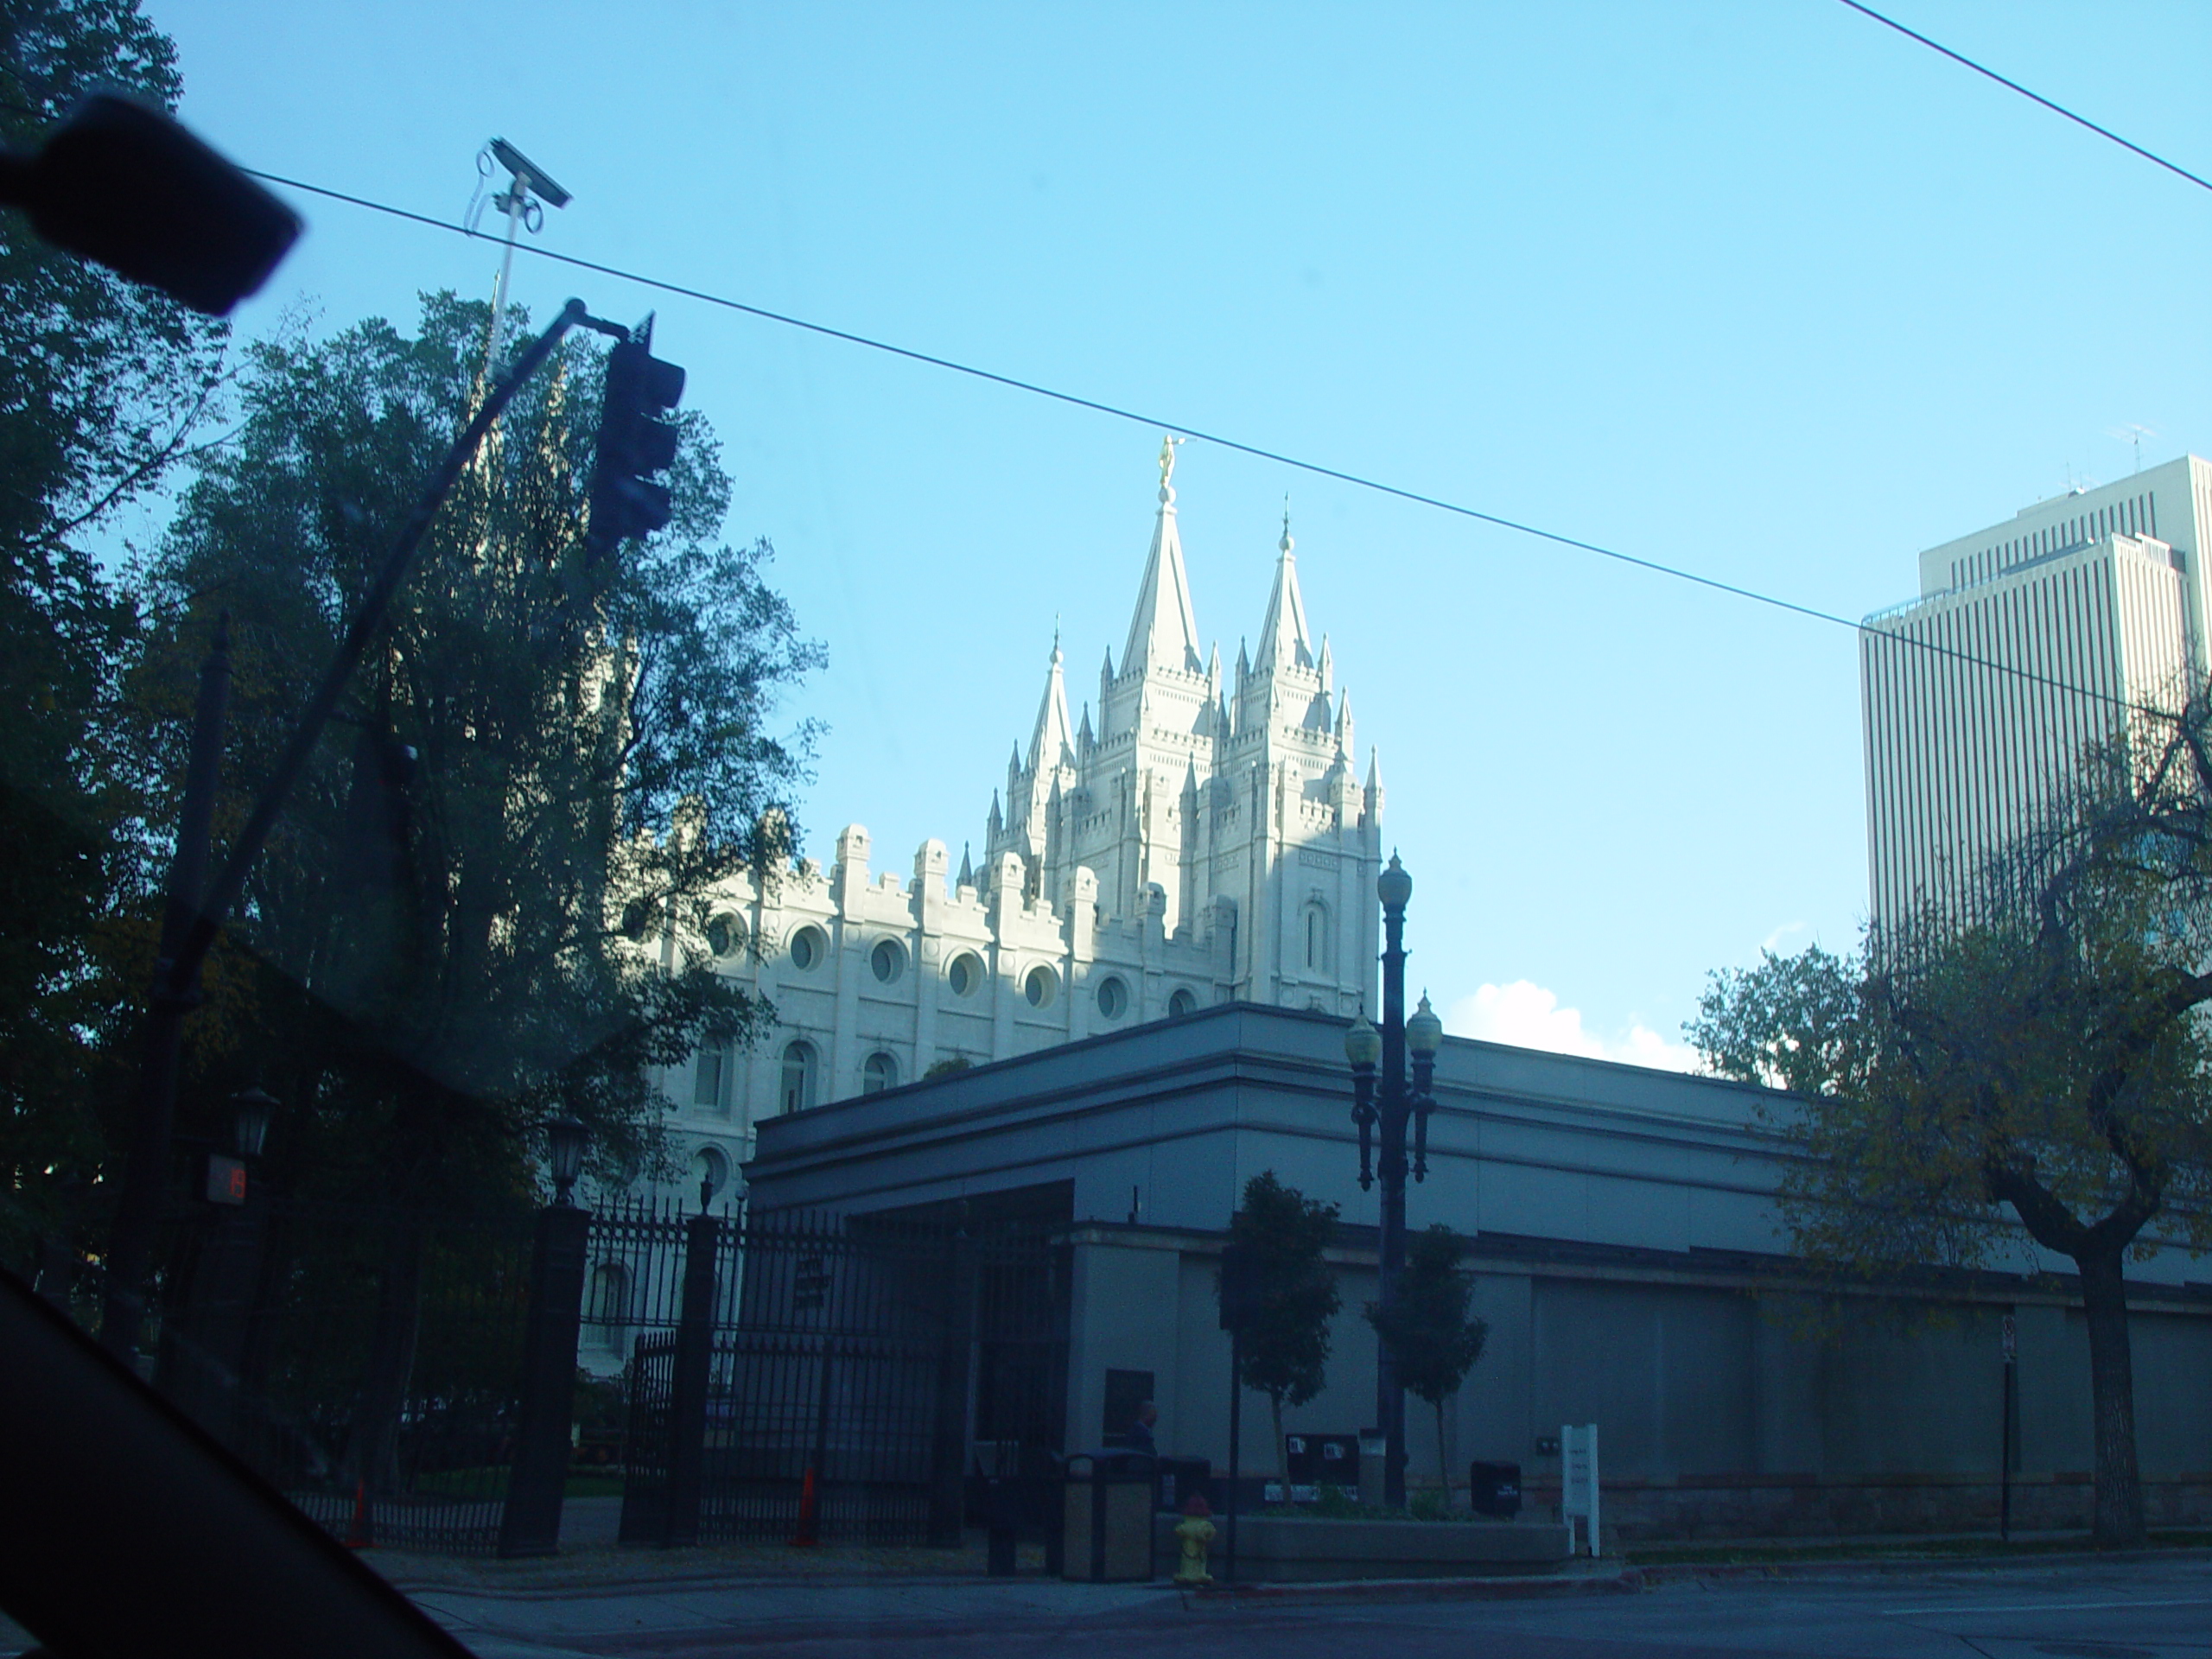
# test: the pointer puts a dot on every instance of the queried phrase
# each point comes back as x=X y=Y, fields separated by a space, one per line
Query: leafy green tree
x=485 y=904
x=1286 y=1346
x=1430 y=1330
x=103 y=387
x=2045 y=1055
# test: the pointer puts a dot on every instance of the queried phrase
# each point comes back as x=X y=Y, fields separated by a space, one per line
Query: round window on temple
x=965 y=975
x=725 y=935
x=1182 y=1002
x=888 y=961
x=808 y=949
x=1041 y=986
x=1113 y=997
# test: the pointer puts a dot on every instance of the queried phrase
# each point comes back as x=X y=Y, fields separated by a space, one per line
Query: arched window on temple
x=801 y=1068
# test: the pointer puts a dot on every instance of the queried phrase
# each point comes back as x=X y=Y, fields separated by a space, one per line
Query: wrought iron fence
x=847 y=1378
x=366 y=1361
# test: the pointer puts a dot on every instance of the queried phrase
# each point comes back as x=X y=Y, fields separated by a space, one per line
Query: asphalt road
x=2119 y=1610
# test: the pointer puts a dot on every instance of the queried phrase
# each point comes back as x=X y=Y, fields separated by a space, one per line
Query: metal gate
x=849 y=1357
x=1022 y=1315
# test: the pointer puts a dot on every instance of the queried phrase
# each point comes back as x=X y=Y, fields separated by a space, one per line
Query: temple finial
x=1285 y=544
x=1168 y=442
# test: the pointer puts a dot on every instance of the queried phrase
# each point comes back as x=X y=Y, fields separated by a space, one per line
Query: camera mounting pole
x=524 y=178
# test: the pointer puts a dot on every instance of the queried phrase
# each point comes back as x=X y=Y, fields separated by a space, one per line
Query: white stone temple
x=1205 y=840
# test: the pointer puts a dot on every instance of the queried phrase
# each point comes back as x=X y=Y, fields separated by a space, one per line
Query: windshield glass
x=853 y=772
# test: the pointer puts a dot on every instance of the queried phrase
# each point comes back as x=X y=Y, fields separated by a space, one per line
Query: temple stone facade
x=1204 y=839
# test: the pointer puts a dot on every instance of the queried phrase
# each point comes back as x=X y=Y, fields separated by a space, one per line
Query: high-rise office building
x=2029 y=643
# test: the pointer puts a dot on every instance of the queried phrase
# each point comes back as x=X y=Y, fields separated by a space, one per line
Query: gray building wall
x=1627 y=1259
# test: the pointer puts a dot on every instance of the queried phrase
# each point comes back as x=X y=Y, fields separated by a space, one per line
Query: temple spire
x=1163 y=632
x=1052 y=744
x=1284 y=641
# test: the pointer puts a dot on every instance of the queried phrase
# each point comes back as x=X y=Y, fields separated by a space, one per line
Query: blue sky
x=1761 y=289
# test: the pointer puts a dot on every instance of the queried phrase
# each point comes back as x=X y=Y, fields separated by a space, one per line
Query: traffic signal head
x=626 y=500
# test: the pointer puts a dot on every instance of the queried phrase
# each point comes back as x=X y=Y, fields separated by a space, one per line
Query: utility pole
x=525 y=179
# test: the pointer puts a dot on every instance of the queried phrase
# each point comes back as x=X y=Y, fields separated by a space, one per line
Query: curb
x=1689 y=1571
x=1627 y=1580
x=708 y=1580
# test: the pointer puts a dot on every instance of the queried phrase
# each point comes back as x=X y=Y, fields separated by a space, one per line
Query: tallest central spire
x=1164 y=631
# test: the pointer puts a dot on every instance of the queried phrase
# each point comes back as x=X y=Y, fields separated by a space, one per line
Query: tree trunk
x=391 y=1361
x=1282 y=1446
x=2119 y=1523
x=1443 y=1454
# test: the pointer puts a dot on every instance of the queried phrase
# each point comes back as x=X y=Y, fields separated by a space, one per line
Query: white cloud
x=1773 y=941
x=1529 y=1016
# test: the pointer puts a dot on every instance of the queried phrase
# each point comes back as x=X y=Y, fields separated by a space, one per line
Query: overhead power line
x=2033 y=97
x=1161 y=423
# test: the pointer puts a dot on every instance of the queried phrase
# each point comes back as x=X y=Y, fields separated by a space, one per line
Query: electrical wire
x=1158 y=423
x=1960 y=59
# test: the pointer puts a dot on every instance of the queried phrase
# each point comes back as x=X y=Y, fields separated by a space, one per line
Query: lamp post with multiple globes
x=1386 y=1102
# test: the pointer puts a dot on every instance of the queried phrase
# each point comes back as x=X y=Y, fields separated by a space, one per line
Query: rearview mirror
x=126 y=186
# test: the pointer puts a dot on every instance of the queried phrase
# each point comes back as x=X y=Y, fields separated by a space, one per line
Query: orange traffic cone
x=358 y=1536
x=809 y=1515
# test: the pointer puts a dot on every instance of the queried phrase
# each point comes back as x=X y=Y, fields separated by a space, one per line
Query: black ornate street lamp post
x=1388 y=1101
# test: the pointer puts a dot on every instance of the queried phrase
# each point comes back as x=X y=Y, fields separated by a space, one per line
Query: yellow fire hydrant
x=1195 y=1532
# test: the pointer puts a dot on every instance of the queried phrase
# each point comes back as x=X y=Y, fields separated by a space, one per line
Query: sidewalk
x=592 y=1565
x=673 y=1613
x=1883 y=1551
x=591 y=1562
x=600 y=1599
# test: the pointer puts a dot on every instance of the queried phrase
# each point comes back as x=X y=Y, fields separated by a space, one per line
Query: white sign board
x=1578 y=1495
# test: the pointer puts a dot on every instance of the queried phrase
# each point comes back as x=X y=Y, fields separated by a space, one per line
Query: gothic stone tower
x=1232 y=814
x=1202 y=842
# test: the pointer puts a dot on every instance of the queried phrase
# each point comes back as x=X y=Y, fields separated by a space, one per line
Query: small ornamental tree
x=1432 y=1338
x=1286 y=1346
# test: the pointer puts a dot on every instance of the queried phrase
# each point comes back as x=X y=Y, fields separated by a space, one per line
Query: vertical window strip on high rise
x=1974 y=710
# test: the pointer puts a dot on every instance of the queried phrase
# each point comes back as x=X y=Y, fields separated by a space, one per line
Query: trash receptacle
x=1373 y=1453
x=1495 y=1489
x=1177 y=1478
x=1106 y=1535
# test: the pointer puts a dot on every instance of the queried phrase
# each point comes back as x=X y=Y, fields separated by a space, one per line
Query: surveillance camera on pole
x=528 y=184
